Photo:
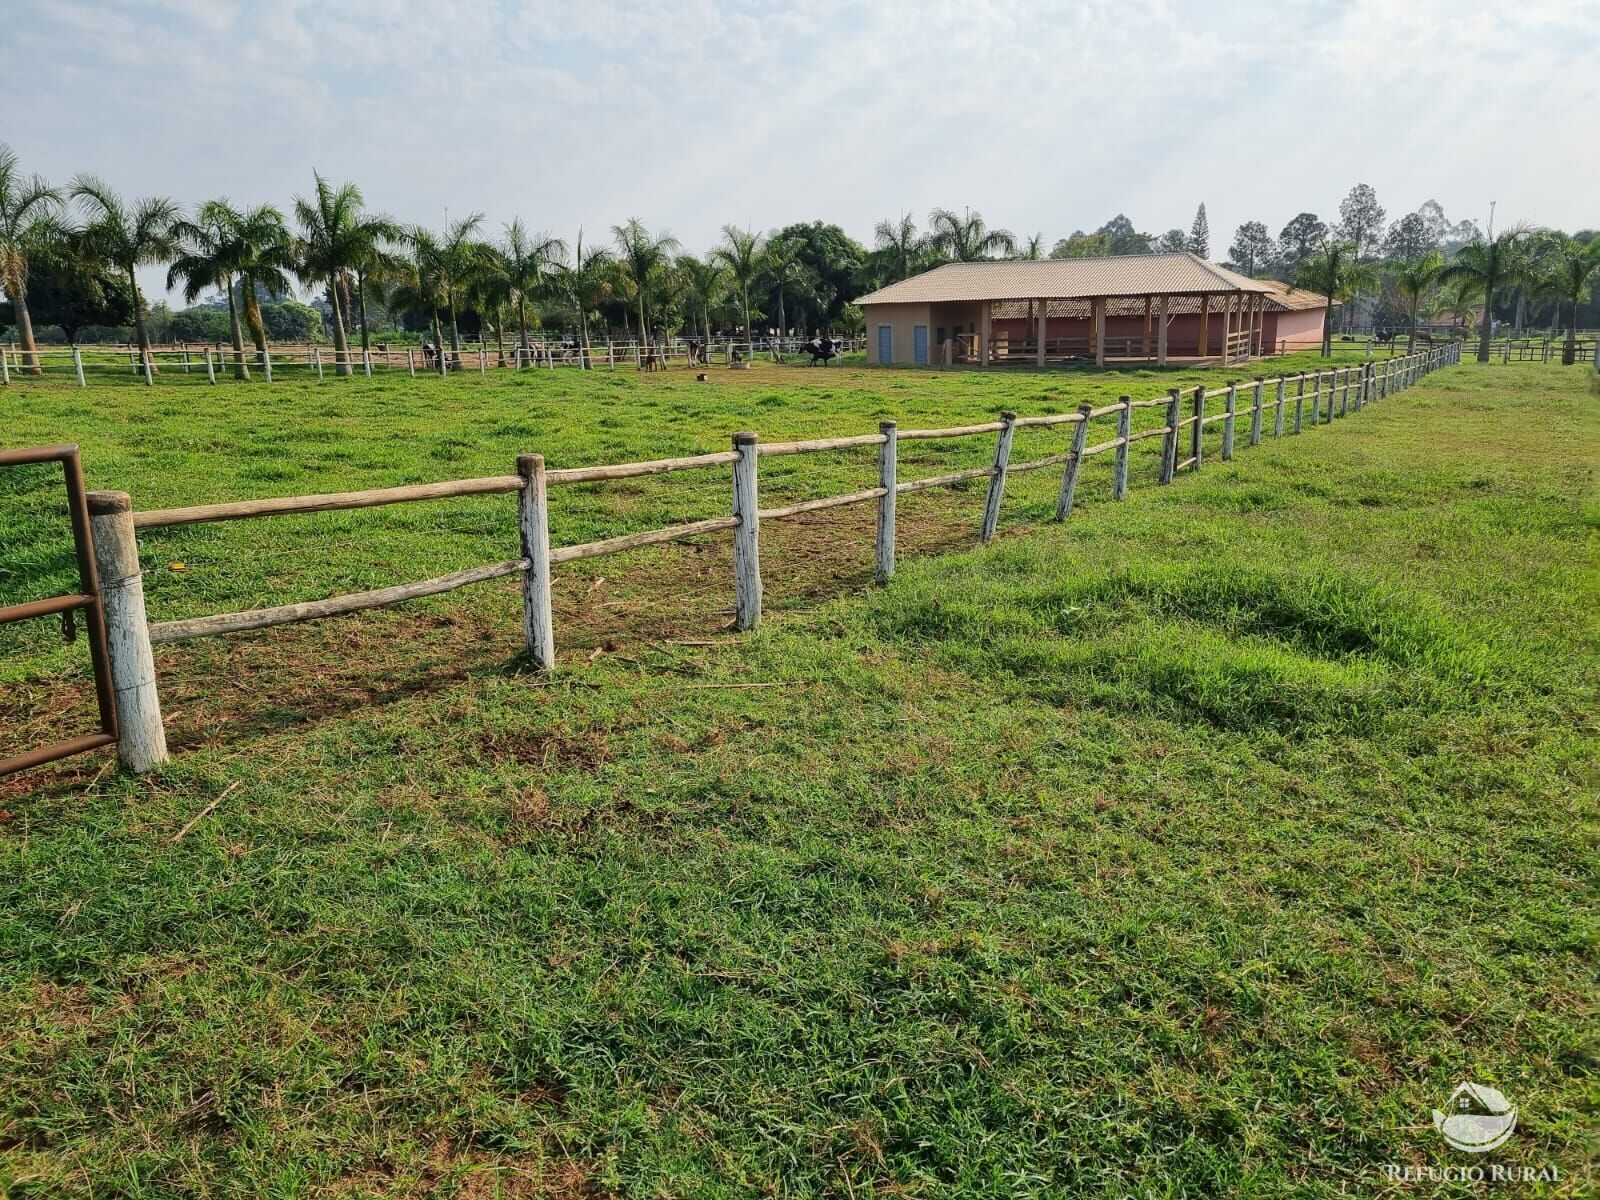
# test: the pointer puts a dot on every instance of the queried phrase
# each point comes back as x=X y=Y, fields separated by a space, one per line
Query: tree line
x=70 y=258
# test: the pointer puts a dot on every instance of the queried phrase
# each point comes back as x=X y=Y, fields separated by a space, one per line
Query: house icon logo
x=1478 y=1118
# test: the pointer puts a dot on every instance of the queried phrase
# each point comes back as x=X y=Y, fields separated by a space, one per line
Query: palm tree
x=526 y=261
x=586 y=281
x=1570 y=268
x=967 y=238
x=127 y=238
x=642 y=257
x=783 y=271
x=1483 y=266
x=1413 y=278
x=411 y=281
x=210 y=255
x=267 y=259
x=1334 y=271
x=905 y=246
x=740 y=253
x=331 y=245
x=30 y=223
x=459 y=255
x=374 y=237
x=704 y=279
x=1032 y=250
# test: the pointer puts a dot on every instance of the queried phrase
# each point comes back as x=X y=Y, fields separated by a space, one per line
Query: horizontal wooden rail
x=1102 y=447
x=633 y=541
x=1047 y=419
x=1053 y=460
x=238 y=510
x=924 y=435
x=658 y=466
x=287 y=614
x=918 y=485
x=805 y=506
x=764 y=449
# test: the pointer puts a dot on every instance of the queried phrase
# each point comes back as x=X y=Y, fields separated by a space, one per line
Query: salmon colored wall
x=1300 y=330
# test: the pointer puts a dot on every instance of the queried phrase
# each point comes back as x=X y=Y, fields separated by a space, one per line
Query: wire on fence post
x=888 y=469
x=1119 y=473
x=1069 y=475
x=142 y=742
x=997 y=475
x=746 y=534
x=533 y=513
x=1169 y=444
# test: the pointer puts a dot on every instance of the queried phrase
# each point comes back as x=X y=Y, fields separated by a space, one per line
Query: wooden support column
x=1044 y=311
x=1205 y=326
x=1227 y=328
x=1161 y=333
x=983 y=335
x=1100 y=333
x=1144 y=346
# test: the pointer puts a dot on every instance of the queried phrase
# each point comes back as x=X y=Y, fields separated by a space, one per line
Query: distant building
x=1137 y=308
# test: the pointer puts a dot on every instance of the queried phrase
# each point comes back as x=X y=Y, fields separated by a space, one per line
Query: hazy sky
x=1046 y=118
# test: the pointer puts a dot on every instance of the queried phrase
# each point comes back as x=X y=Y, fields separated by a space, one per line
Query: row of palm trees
x=1546 y=264
x=354 y=255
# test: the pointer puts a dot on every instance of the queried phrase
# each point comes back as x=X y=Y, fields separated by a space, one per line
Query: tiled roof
x=1067 y=278
x=1285 y=297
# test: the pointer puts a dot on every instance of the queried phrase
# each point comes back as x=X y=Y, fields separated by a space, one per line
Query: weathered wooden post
x=1069 y=476
x=316 y=361
x=533 y=521
x=142 y=743
x=888 y=470
x=483 y=359
x=1255 y=412
x=1229 y=408
x=1277 y=407
x=997 y=475
x=266 y=364
x=366 y=361
x=746 y=534
x=5 y=366
x=211 y=368
x=411 y=362
x=184 y=358
x=1344 y=393
x=1169 y=443
x=77 y=364
x=1197 y=433
x=1316 y=399
x=1119 y=471
x=149 y=370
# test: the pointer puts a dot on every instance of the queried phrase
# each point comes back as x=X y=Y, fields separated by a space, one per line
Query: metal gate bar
x=86 y=599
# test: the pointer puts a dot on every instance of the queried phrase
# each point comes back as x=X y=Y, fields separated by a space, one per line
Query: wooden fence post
x=211 y=368
x=1228 y=408
x=746 y=534
x=1197 y=433
x=185 y=358
x=1278 y=403
x=1119 y=472
x=1169 y=444
x=77 y=364
x=1069 y=476
x=411 y=362
x=142 y=743
x=1316 y=399
x=149 y=370
x=888 y=470
x=483 y=359
x=997 y=475
x=533 y=522
x=5 y=367
x=1255 y=413
x=266 y=364
x=1344 y=393
x=1299 y=400
x=316 y=361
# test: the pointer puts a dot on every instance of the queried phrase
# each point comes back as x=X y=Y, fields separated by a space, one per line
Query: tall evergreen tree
x=1200 y=234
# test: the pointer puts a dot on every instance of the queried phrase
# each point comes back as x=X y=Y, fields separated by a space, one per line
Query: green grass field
x=1195 y=847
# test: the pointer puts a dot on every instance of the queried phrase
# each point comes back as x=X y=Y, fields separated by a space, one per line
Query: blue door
x=919 y=345
x=885 y=343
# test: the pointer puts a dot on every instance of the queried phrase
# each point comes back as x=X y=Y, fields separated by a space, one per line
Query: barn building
x=1130 y=309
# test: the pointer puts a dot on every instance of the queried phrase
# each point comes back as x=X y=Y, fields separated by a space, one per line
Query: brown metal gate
x=85 y=600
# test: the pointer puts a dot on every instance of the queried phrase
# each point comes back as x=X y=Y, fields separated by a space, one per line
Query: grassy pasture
x=1196 y=847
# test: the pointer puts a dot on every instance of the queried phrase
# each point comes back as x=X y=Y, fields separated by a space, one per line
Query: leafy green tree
x=786 y=275
x=67 y=290
x=30 y=224
x=1173 y=241
x=831 y=260
x=127 y=237
x=1334 y=271
x=1083 y=245
x=643 y=256
x=1298 y=241
x=1123 y=238
x=1482 y=267
x=291 y=321
x=332 y=244
x=211 y=255
x=1252 y=247
x=1408 y=239
x=740 y=253
x=199 y=325
x=967 y=238
x=1412 y=279
x=1571 y=267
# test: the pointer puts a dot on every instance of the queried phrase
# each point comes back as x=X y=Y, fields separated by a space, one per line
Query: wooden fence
x=219 y=362
x=1317 y=397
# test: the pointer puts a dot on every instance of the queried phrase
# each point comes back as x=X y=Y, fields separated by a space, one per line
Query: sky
x=1044 y=117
